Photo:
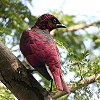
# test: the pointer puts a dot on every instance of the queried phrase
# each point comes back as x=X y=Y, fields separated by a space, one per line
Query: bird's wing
x=32 y=47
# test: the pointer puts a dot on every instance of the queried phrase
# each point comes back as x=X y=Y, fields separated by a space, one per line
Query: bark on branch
x=81 y=26
x=17 y=79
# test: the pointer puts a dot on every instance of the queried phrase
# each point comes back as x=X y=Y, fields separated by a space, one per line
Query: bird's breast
x=39 y=45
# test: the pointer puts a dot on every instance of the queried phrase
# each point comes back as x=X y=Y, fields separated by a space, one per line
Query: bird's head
x=48 y=21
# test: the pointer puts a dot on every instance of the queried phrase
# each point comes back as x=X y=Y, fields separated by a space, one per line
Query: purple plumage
x=40 y=49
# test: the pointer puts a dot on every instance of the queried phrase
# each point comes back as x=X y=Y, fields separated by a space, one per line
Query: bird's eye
x=54 y=21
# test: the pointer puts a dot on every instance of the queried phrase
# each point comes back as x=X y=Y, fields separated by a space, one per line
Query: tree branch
x=80 y=26
x=78 y=85
x=76 y=27
x=17 y=79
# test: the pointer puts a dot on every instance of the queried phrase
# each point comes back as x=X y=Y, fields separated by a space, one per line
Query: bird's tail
x=64 y=84
x=61 y=84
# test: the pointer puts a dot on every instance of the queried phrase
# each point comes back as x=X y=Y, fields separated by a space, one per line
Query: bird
x=40 y=50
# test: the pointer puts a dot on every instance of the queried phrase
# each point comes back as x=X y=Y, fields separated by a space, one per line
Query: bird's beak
x=60 y=26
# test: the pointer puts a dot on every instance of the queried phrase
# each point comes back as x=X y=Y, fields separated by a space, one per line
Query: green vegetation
x=80 y=59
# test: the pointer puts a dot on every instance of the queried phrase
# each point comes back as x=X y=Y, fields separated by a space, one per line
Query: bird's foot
x=50 y=91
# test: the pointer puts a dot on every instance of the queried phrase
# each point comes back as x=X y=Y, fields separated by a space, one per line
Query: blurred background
x=78 y=44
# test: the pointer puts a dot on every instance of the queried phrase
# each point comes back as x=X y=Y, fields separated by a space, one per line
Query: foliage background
x=79 y=59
